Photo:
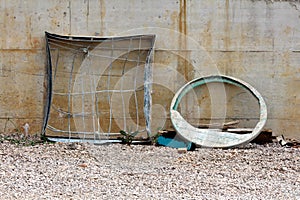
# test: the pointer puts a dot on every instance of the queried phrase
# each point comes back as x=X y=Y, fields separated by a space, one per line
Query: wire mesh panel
x=98 y=86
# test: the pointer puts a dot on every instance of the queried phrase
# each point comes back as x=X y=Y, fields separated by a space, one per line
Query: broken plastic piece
x=26 y=129
x=173 y=141
x=215 y=138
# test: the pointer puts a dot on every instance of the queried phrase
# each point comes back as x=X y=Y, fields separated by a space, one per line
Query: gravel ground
x=115 y=171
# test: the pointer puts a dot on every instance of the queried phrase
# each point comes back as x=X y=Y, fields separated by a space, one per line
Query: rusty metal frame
x=213 y=137
x=90 y=41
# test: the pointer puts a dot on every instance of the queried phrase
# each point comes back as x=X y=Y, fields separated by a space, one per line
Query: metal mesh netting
x=98 y=86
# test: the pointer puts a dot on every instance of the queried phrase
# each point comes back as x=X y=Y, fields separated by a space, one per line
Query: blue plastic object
x=175 y=143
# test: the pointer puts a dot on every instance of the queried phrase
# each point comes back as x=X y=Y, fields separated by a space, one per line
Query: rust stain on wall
x=206 y=36
x=227 y=27
x=102 y=16
x=182 y=17
x=28 y=30
x=182 y=67
x=7 y=21
x=174 y=19
x=36 y=42
x=182 y=40
x=227 y=41
x=70 y=17
x=287 y=30
x=287 y=72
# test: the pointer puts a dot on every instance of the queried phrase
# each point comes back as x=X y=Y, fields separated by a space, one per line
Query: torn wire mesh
x=98 y=86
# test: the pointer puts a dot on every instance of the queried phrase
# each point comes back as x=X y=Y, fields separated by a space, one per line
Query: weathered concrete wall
x=256 y=41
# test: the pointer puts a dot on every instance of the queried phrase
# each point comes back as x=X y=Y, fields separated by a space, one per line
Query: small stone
x=83 y=165
x=284 y=168
x=182 y=150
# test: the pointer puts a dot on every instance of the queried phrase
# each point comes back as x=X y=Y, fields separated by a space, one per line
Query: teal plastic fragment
x=175 y=143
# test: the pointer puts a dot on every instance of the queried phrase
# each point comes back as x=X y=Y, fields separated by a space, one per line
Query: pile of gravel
x=115 y=171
